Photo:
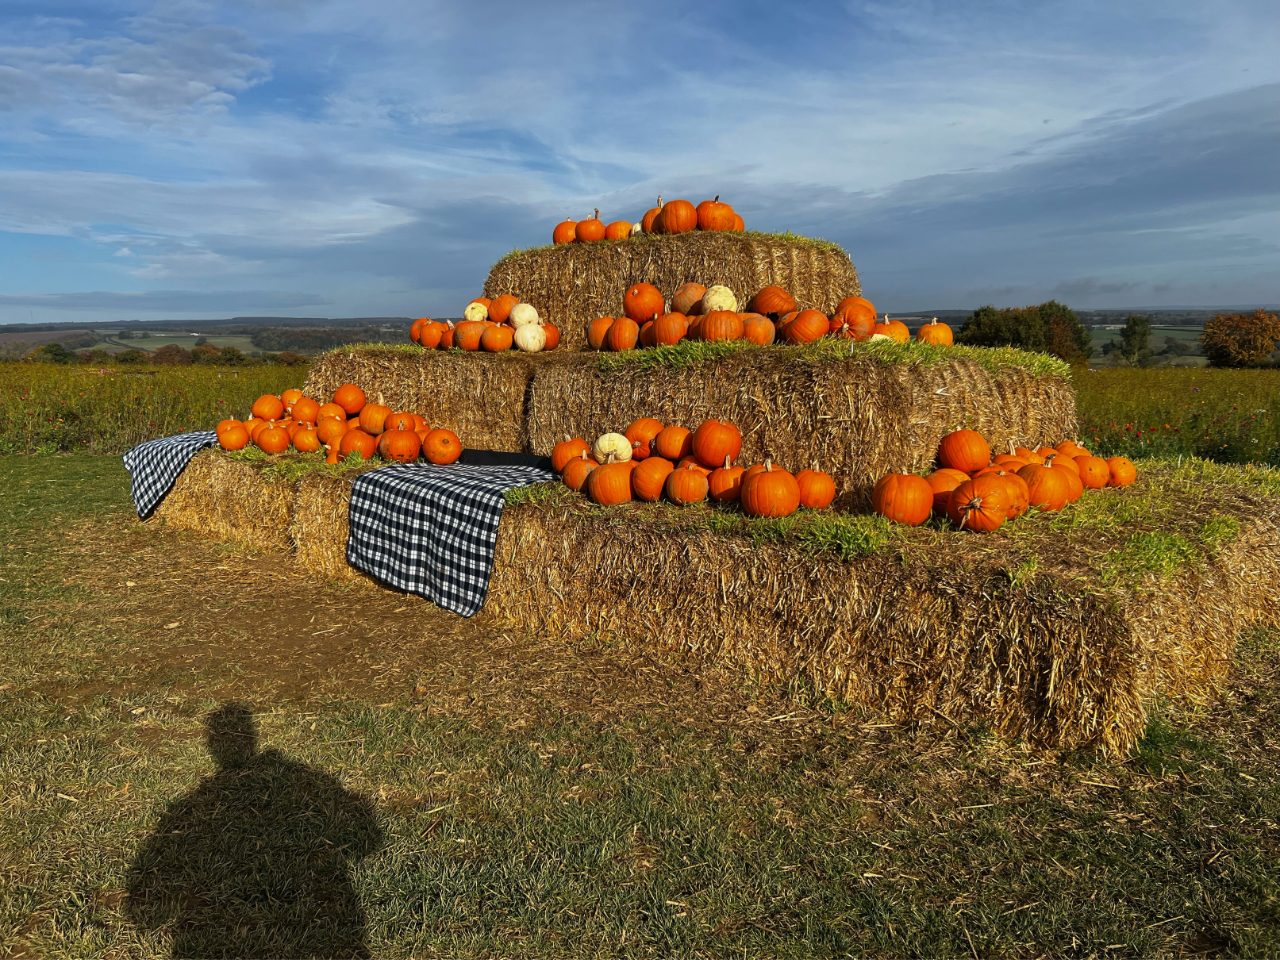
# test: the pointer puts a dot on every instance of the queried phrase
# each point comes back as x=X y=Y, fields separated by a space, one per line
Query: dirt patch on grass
x=201 y=618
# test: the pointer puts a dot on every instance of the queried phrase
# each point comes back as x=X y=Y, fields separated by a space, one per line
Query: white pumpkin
x=636 y=228
x=475 y=311
x=612 y=443
x=719 y=297
x=882 y=336
x=523 y=314
x=530 y=338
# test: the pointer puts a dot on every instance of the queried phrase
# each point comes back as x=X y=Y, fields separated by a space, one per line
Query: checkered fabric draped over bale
x=156 y=464
x=432 y=530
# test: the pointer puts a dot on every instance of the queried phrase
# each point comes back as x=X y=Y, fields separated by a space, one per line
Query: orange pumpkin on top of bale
x=980 y=493
x=494 y=326
x=348 y=424
x=686 y=467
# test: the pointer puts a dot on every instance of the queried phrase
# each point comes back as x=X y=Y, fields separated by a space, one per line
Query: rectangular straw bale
x=479 y=396
x=1037 y=663
x=574 y=283
x=231 y=500
x=856 y=418
x=319 y=527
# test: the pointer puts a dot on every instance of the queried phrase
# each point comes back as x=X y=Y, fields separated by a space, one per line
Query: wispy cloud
x=381 y=157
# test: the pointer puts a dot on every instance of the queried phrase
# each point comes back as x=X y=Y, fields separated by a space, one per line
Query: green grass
x=51 y=407
x=517 y=821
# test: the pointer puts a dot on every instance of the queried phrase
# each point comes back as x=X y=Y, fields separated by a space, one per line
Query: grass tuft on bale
x=573 y=283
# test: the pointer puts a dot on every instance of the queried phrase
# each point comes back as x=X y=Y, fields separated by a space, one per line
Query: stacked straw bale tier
x=934 y=627
x=855 y=417
x=574 y=283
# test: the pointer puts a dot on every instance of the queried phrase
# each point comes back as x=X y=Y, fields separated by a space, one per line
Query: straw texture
x=231 y=500
x=574 y=283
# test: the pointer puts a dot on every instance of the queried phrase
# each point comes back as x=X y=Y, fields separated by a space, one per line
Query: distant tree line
x=168 y=355
x=1049 y=327
x=316 y=339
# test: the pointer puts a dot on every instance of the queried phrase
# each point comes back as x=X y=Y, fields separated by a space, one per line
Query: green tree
x=1135 y=339
x=52 y=353
x=1049 y=327
x=1241 y=339
x=171 y=355
x=131 y=356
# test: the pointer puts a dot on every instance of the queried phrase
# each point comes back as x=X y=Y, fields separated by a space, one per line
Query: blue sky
x=317 y=158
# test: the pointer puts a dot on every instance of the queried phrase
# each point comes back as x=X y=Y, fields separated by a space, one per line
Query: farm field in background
x=1232 y=416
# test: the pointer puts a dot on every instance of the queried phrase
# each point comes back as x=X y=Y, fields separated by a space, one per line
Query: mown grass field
x=434 y=787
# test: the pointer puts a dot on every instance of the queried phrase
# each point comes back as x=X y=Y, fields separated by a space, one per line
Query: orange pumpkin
x=577 y=470
x=359 y=442
x=673 y=442
x=350 y=398
x=552 y=333
x=857 y=311
x=597 y=330
x=234 y=437
x=617 y=230
x=1047 y=485
x=497 y=339
x=677 y=216
x=330 y=430
x=623 y=334
x=687 y=297
x=641 y=433
x=500 y=308
x=806 y=327
x=1123 y=472
x=442 y=446
x=770 y=492
x=647 y=337
x=685 y=486
x=373 y=418
x=589 y=230
x=758 y=330
x=402 y=446
x=773 y=301
x=714 y=215
x=306 y=440
x=416 y=328
x=268 y=407
x=980 y=505
x=669 y=329
x=467 y=334
x=610 y=483
x=649 y=478
x=938 y=334
x=651 y=215
x=714 y=441
x=289 y=397
x=942 y=482
x=965 y=450
x=895 y=330
x=306 y=410
x=721 y=325
x=1094 y=472
x=403 y=420
x=272 y=439
x=566 y=450
x=725 y=482
x=817 y=489
x=642 y=301
x=565 y=232
x=903 y=498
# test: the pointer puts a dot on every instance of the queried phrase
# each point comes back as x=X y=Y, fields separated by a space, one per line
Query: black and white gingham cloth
x=155 y=465
x=431 y=530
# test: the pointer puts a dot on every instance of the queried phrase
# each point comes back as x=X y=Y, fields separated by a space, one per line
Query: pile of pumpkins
x=652 y=461
x=699 y=312
x=674 y=216
x=494 y=325
x=980 y=493
x=348 y=424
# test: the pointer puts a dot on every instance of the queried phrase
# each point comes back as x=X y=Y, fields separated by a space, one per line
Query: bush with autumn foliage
x=1241 y=339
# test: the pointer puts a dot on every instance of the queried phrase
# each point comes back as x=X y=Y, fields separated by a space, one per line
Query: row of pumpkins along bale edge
x=648 y=319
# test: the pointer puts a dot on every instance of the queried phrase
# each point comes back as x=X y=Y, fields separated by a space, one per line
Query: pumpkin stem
x=717 y=199
x=768 y=465
x=726 y=461
x=597 y=216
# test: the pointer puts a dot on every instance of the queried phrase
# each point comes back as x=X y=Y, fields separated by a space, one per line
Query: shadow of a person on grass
x=255 y=861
